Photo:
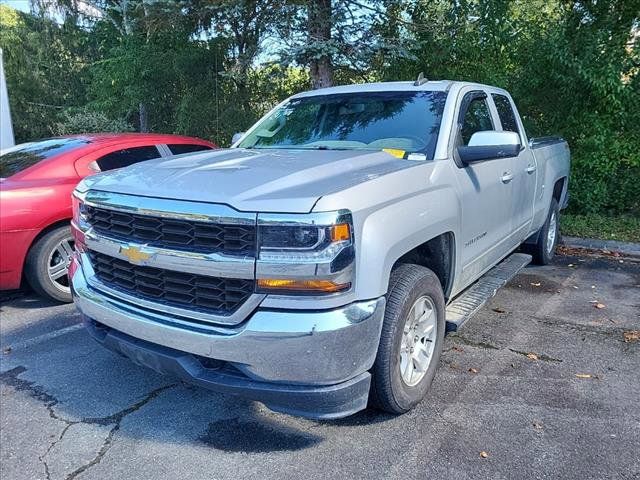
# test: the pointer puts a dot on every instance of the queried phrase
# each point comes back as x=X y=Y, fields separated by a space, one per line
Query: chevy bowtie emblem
x=134 y=254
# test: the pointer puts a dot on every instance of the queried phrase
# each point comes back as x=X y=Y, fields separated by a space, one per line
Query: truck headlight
x=305 y=254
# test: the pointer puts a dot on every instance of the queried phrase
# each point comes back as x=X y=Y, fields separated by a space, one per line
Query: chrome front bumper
x=323 y=347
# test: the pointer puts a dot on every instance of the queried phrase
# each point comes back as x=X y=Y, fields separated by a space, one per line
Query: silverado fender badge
x=134 y=254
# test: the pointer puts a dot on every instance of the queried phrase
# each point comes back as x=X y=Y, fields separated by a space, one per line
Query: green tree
x=46 y=67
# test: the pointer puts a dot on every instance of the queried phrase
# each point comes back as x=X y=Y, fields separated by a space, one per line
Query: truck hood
x=251 y=180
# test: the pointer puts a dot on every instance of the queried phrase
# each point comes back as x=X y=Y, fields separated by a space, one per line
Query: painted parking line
x=46 y=337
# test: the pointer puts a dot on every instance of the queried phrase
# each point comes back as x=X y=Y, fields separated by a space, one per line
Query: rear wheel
x=544 y=249
x=47 y=264
x=411 y=339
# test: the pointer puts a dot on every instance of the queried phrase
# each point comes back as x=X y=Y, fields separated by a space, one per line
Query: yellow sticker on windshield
x=395 y=152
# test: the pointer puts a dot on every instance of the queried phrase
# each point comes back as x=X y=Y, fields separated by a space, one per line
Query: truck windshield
x=23 y=156
x=404 y=121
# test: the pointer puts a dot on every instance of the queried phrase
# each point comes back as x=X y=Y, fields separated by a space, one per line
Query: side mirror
x=489 y=145
x=236 y=137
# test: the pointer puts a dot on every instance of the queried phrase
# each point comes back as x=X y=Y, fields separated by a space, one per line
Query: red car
x=36 y=181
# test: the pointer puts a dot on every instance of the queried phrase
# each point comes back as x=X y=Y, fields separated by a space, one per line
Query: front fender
x=392 y=231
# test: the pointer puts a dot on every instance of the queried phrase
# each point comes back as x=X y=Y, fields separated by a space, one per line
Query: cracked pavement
x=507 y=386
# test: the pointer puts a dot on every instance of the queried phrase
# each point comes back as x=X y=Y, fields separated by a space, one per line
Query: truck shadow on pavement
x=256 y=435
x=173 y=413
x=79 y=383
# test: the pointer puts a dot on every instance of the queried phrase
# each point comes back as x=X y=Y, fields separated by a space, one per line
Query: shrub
x=87 y=121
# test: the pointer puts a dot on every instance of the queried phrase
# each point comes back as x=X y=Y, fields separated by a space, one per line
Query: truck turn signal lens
x=309 y=286
x=340 y=232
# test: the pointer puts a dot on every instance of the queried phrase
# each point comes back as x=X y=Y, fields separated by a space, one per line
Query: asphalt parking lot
x=540 y=384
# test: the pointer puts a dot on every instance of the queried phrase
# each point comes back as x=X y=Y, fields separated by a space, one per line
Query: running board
x=473 y=298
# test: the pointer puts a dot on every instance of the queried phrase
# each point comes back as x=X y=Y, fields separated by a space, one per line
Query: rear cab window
x=179 y=148
x=20 y=157
x=505 y=113
x=126 y=157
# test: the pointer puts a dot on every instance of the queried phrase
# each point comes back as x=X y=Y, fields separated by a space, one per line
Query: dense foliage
x=212 y=67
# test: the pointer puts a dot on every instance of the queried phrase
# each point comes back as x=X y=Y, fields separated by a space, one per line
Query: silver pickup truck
x=316 y=265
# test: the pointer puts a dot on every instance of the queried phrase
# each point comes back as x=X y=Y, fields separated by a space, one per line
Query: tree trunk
x=320 y=22
x=144 y=118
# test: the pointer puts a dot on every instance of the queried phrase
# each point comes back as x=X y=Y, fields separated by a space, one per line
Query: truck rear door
x=523 y=168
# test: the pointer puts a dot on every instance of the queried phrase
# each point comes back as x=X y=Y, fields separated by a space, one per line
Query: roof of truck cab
x=439 y=85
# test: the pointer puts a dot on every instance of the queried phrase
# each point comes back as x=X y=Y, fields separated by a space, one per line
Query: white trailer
x=6 y=127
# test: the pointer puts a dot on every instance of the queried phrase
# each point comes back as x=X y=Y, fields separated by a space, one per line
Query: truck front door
x=486 y=191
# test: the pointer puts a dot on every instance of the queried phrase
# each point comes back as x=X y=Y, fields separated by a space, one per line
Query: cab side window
x=506 y=113
x=126 y=157
x=477 y=118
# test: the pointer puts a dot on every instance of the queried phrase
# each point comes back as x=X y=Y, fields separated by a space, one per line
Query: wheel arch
x=560 y=191
x=47 y=229
x=438 y=255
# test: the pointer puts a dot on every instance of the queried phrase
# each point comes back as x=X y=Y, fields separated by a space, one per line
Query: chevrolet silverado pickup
x=317 y=263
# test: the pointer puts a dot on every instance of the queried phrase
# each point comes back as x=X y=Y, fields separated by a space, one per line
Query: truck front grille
x=177 y=234
x=220 y=296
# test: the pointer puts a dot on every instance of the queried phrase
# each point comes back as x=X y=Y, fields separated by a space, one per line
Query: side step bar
x=473 y=298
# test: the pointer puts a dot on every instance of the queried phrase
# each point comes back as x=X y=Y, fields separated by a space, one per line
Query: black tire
x=36 y=268
x=542 y=252
x=407 y=284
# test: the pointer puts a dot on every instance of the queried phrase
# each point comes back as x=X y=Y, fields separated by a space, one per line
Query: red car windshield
x=20 y=157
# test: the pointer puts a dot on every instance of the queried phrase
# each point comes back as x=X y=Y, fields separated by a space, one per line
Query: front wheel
x=47 y=264
x=411 y=339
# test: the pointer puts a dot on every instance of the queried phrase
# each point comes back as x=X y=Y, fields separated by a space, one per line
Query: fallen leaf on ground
x=473 y=370
x=532 y=356
x=631 y=336
x=584 y=375
x=454 y=366
x=457 y=348
x=579 y=251
x=599 y=305
x=536 y=284
x=499 y=310
x=484 y=454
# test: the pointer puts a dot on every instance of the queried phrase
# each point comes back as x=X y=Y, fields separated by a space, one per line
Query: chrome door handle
x=530 y=169
x=506 y=177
